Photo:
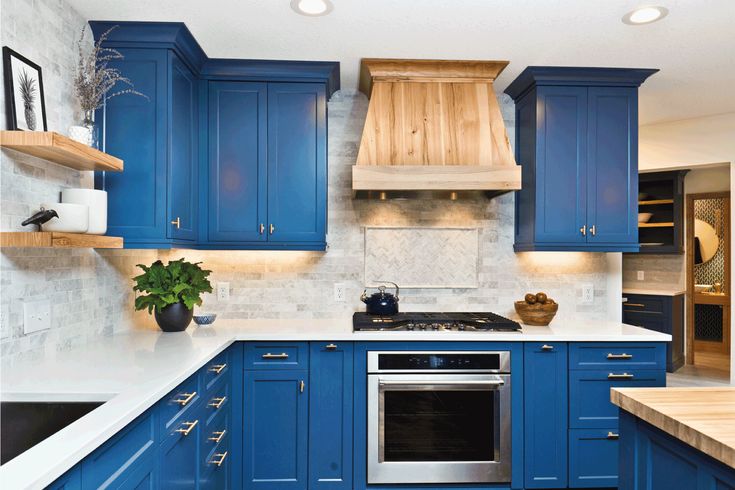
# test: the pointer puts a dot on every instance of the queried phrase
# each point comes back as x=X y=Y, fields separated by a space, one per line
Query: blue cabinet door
x=275 y=430
x=593 y=458
x=182 y=150
x=179 y=452
x=545 y=414
x=297 y=162
x=612 y=184
x=136 y=207
x=330 y=416
x=237 y=161
x=561 y=171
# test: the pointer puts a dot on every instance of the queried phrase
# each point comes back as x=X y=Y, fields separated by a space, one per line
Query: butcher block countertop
x=702 y=417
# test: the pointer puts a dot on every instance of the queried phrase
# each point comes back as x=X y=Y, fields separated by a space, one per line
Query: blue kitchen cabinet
x=593 y=458
x=663 y=314
x=545 y=414
x=297 y=163
x=179 y=452
x=577 y=142
x=237 y=115
x=275 y=432
x=330 y=415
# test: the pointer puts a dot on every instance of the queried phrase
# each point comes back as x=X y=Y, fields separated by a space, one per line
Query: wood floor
x=710 y=369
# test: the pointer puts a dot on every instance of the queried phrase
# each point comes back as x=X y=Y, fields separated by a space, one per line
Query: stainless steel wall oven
x=438 y=417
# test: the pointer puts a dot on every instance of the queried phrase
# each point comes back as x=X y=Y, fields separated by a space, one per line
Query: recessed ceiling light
x=645 y=15
x=312 y=8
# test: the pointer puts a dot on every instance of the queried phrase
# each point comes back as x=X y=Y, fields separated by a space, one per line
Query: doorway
x=708 y=281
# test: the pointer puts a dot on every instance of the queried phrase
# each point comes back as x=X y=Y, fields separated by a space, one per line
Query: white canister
x=97 y=203
x=82 y=134
x=73 y=218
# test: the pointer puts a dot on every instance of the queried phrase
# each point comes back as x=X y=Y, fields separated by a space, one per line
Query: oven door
x=438 y=428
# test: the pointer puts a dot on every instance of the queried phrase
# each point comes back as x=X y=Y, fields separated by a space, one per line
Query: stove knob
x=435 y=326
x=410 y=326
x=460 y=326
x=422 y=326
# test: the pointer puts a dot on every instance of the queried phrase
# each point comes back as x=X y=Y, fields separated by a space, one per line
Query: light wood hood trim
x=430 y=177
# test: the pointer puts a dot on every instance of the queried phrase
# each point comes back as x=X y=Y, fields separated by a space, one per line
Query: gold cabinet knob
x=217 y=402
x=217 y=368
x=547 y=347
x=185 y=398
x=217 y=436
x=583 y=230
x=262 y=228
x=593 y=230
x=187 y=427
x=218 y=459
x=272 y=228
x=177 y=222
x=331 y=346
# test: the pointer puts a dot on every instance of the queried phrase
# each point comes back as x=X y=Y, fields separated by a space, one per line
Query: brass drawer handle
x=262 y=228
x=637 y=305
x=219 y=461
x=593 y=230
x=612 y=356
x=583 y=230
x=547 y=347
x=217 y=402
x=613 y=435
x=620 y=376
x=187 y=397
x=217 y=368
x=268 y=355
x=177 y=222
x=272 y=228
x=301 y=386
x=331 y=346
x=189 y=427
x=217 y=436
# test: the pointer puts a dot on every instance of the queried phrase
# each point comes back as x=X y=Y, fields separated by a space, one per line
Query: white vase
x=82 y=134
x=96 y=201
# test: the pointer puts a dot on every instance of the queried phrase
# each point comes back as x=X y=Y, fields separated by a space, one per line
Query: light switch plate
x=588 y=294
x=36 y=316
x=223 y=291
x=641 y=275
x=339 y=292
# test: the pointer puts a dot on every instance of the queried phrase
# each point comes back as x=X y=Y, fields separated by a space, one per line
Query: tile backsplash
x=90 y=291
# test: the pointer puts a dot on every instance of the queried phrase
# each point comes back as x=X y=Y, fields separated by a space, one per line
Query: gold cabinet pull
x=583 y=230
x=272 y=228
x=218 y=459
x=547 y=347
x=217 y=368
x=593 y=230
x=217 y=436
x=189 y=427
x=268 y=355
x=331 y=346
x=185 y=398
x=637 y=305
x=177 y=222
x=610 y=355
x=620 y=376
x=217 y=402
x=301 y=386
x=613 y=435
x=262 y=228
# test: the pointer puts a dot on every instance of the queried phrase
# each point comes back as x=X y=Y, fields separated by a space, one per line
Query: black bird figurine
x=40 y=218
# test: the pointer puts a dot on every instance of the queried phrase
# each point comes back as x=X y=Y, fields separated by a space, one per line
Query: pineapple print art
x=28 y=94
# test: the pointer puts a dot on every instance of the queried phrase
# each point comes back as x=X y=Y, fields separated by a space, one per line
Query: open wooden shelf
x=655 y=225
x=57 y=148
x=655 y=201
x=55 y=239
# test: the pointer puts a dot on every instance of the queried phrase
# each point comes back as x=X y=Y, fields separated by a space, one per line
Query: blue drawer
x=128 y=452
x=589 y=394
x=593 y=458
x=215 y=370
x=212 y=475
x=178 y=403
x=645 y=303
x=621 y=355
x=218 y=399
x=277 y=355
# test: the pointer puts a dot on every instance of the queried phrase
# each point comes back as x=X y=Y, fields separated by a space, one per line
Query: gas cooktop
x=448 y=322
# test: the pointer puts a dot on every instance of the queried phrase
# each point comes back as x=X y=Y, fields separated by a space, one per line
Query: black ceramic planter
x=174 y=318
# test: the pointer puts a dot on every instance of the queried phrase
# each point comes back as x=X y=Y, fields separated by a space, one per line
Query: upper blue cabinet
x=222 y=154
x=577 y=143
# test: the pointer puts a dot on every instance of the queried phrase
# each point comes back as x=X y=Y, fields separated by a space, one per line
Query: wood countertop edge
x=676 y=428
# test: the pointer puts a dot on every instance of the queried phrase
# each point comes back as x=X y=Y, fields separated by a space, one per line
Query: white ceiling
x=694 y=46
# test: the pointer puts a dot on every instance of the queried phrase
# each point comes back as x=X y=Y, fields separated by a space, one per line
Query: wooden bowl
x=537 y=314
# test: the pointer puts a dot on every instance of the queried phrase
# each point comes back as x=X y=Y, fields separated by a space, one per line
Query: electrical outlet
x=339 y=292
x=223 y=291
x=641 y=275
x=588 y=294
x=36 y=316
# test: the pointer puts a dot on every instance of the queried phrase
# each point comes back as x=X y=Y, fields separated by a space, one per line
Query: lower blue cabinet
x=275 y=416
x=178 y=456
x=545 y=414
x=593 y=458
x=330 y=415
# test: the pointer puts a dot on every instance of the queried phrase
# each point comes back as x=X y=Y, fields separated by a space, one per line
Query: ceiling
x=694 y=46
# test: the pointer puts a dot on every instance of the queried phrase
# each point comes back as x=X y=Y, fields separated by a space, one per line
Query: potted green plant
x=172 y=291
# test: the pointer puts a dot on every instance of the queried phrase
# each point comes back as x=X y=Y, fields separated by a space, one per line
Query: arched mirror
x=706 y=241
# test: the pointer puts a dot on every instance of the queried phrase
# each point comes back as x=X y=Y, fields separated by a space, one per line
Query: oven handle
x=492 y=383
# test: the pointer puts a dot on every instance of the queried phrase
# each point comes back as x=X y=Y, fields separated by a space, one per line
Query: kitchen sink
x=25 y=424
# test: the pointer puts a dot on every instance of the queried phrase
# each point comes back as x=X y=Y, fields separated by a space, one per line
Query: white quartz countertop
x=131 y=371
x=654 y=291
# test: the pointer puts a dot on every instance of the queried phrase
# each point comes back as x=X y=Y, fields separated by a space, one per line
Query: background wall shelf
x=59 y=149
x=655 y=202
x=655 y=225
x=662 y=195
x=52 y=239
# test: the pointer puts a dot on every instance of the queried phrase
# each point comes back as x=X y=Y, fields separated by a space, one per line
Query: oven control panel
x=396 y=361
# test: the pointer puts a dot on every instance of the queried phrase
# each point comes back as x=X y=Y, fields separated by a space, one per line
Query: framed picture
x=24 y=100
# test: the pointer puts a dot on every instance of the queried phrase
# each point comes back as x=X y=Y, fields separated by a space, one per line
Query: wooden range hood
x=433 y=125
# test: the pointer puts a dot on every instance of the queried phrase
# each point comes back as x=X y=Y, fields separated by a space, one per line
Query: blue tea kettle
x=381 y=303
